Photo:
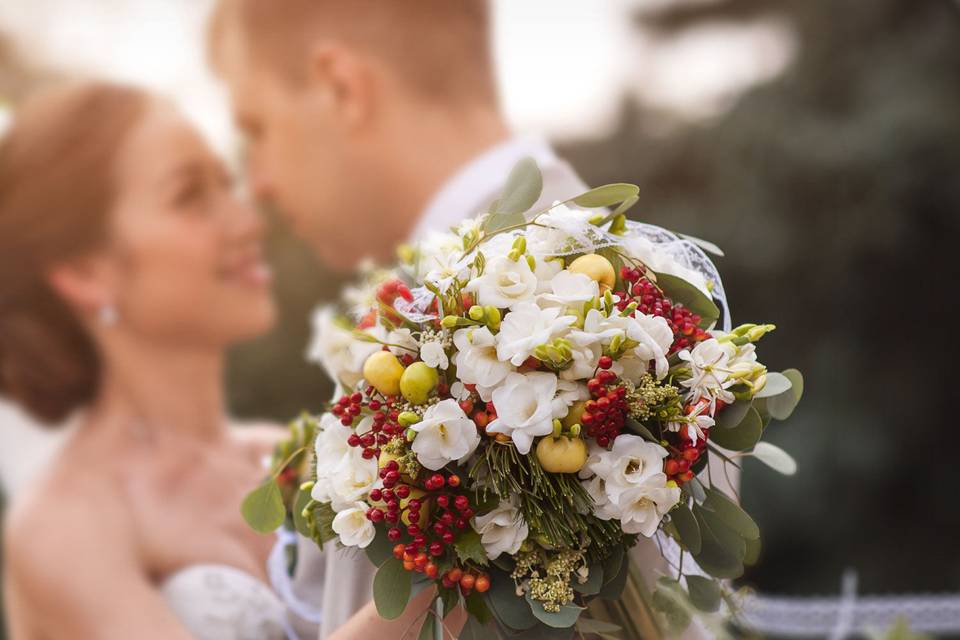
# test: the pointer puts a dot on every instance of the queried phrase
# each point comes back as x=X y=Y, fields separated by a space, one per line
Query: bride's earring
x=107 y=315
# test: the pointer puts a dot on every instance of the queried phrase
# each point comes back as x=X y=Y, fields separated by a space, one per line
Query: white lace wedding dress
x=219 y=602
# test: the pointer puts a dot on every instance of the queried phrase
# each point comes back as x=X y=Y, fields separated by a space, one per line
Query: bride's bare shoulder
x=263 y=437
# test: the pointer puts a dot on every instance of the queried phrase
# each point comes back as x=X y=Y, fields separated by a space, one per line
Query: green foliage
x=469 y=549
x=520 y=193
x=391 y=589
x=563 y=619
x=607 y=195
x=681 y=291
x=263 y=507
x=704 y=593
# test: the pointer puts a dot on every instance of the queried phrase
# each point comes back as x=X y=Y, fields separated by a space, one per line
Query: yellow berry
x=418 y=381
x=383 y=370
x=596 y=267
x=561 y=455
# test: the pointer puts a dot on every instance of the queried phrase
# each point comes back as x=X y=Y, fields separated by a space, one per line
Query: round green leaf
x=563 y=619
x=263 y=507
x=731 y=514
x=522 y=189
x=741 y=437
x=776 y=384
x=607 y=195
x=686 y=526
x=704 y=593
x=732 y=415
x=391 y=589
x=775 y=458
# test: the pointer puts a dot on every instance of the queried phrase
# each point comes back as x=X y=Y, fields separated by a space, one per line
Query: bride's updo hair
x=57 y=188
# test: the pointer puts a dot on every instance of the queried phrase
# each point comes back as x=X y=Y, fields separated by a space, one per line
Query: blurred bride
x=127 y=268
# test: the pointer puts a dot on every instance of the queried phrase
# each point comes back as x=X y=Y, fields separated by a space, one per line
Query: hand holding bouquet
x=522 y=399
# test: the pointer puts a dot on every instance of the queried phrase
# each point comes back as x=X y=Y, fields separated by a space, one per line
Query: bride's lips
x=250 y=271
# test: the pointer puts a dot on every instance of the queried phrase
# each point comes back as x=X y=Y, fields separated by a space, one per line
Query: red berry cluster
x=452 y=512
x=607 y=409
x=385 y=426
x=650 y=301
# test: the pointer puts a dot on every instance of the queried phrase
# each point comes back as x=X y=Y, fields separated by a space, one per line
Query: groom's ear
x=344 y=81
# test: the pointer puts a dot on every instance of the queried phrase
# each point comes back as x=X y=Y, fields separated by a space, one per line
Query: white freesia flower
x=569 y=288
x=628 y=483
x=651 y=333
x=502 y=530
x=643 y=506
x=444 y=434
x=353 y=527
x=709 y=373
x=433 y=354
x=335 y=348
x=477 y=361
x=526 y=327
x=525 y=407
x=504 y=283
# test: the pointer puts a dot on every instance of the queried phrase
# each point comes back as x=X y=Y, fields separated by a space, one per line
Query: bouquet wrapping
x=520 y=400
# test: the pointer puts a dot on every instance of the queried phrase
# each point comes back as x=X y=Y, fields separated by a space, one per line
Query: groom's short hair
x=439 y=46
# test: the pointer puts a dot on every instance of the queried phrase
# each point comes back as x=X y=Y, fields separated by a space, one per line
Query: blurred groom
x=369 y=123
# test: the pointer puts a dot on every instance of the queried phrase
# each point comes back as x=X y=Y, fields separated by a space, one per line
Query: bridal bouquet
x=521 y=400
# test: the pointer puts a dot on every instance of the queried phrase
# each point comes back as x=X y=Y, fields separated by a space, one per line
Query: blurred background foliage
x=834 y=189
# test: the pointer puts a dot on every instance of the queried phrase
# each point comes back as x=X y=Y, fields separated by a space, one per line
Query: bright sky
x=564 y=65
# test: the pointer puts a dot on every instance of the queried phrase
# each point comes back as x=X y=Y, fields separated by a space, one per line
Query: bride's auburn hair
x=57 y=188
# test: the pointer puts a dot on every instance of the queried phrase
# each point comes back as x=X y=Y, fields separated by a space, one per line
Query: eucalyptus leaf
x=686 y=526
x=776 y=384
x=775 y=458
x=510 y=610
x=263 y=507
x=391 y=589
x=522 y=190
x=563 y=619
x=476 y=606
x=732 y=415
x=683 y=292
x=715 y=558
x=704 y=593
x=731 y=514
x=594 y=581
x=753 y=552
x=607 y=195
x=706 y=245
x=742 y=437
x=301 y=524
x=781 y=406
x=380 y=549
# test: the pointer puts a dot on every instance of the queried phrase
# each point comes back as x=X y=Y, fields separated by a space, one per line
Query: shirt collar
x=478 y=182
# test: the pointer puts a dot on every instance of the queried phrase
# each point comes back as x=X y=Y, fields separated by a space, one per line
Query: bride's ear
x=343 y=81
x=85 y=284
